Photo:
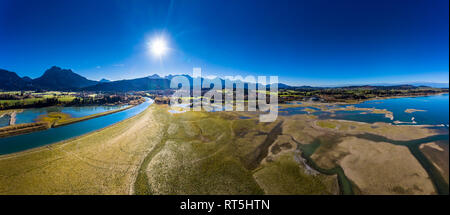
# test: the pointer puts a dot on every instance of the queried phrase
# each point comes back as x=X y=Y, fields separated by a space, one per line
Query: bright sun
x=158 y=46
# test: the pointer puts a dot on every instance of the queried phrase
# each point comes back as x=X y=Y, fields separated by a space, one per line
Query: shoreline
x=364 y=100
x=48 y=146
x=92 y=116
x=66 y=122
x=399 y=97
x=25 y=128
x=396 y=97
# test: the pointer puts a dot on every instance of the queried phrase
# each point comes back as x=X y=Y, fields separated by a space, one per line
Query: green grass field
x=29 y=101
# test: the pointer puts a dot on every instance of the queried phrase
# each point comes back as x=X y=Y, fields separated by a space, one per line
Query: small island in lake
x=411 y=110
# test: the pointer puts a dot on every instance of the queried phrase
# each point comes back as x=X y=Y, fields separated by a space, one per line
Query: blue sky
x=303 y=42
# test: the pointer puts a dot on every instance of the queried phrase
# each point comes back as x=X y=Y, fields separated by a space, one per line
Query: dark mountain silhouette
x=56 y=78
x=283 y=86
x=104 y=81
x=430 y=84
x=139 y=84
x=307 y=88
x=27 y=79
x=155 y=76
x=11 y=81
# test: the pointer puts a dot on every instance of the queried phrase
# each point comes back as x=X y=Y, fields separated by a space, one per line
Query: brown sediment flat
x=394 y=132
x=301 y=128
x=438 y=154
x=305 y=129
x=435 y=146
x=378 y=168
x=411 y=110
x=381 y=168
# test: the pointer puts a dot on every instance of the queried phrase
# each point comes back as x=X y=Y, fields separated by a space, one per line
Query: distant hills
x=416 y=84
x=57 y=78
x=139 y=84
x=419 y=84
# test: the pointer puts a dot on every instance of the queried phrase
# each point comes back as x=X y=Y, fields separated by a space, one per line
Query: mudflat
x=438 y=153
x=383 y=168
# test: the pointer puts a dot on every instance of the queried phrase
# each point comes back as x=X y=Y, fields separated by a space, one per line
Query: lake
x=53 y=135
x=30 y=115
x=436 y=108
x=435 y=111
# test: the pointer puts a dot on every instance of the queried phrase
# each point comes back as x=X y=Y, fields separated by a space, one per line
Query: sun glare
x=158 y=47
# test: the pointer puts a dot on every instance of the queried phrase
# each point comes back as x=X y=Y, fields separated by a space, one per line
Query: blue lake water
x=4 y=121
x=30 y=115
x=436 y=110
x=53 y=135
x=360 y=116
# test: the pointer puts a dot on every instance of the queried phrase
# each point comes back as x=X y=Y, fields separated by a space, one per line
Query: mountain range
x=11 y=81
x=60 y=79
x=56 y=78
